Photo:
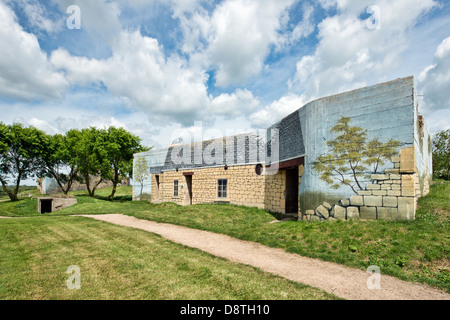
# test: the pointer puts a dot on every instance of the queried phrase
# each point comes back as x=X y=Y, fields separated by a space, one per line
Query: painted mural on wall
x=352 y=158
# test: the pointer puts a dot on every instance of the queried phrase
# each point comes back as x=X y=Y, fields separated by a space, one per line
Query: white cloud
x=235 y=104
x=25 y=72
x=235 y=39
x=100 y=18
x=166 y=88
x=277 y=110
x=349 y=54
x=303 y=29
x=38 y=16
x=242 y=33
x=43 y=125
x=434 y=81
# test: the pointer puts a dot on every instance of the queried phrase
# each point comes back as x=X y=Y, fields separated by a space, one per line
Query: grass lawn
x=411 y=250
x=118 y=263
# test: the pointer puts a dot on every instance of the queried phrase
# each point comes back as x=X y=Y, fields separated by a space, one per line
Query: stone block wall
x=245 y=187
x=392 y=195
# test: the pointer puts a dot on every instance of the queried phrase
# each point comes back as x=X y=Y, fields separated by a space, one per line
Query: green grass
x=415 y=251
x=118 y=263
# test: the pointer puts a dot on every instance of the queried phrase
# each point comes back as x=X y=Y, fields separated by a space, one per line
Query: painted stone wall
x=393 y=195
x=385 y=111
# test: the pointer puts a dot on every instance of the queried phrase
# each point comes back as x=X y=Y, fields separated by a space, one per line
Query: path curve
x=344 y=282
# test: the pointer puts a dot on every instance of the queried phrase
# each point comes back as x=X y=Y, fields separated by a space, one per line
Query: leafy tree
x=441 y=155
x=120 y=146
x=21 y=149
x=349 y=154
x=376 y=152
x=90 y=159
x=346 y=156
x=141 y=171
x=57 y=160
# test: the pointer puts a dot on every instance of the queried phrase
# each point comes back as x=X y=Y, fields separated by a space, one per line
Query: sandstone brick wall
x=245 y=187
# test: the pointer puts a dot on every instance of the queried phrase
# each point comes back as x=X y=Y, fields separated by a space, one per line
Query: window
x=175 y=188
x=222 y=188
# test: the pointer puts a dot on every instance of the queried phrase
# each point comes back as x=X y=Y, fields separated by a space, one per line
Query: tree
x=376 y=152
x=120 y=147
x=57 y=160
x=21 y=149
x=141 y=172
x=441 y=154
x=346 y=155
x=90 y=159
x=349 y=154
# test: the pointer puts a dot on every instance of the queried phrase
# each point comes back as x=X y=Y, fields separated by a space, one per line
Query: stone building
x=276 y=169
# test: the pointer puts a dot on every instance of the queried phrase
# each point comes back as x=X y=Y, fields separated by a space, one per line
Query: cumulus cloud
x=235 y=104
x=242 y=34
x=434 y=82
x=38 y=17
x=100 y=18
x=166 y=88
x=350 y=54
x=235 y=38
x=25 y=72
x=277 y=110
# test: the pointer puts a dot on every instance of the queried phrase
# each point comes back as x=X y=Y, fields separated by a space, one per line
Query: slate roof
x=246 y=149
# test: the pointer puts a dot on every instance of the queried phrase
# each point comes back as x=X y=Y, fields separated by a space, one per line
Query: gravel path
x=342 y=281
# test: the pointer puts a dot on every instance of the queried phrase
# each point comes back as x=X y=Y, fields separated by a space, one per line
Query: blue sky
x=155 y=67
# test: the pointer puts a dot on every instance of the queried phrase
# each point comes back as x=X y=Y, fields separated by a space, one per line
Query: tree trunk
x=113 y=192
x=91 y=194
x=11 y=196
x=87 y=181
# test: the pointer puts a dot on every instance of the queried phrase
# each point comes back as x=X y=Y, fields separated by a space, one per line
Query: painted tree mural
x=141 y=172
x=350 y=156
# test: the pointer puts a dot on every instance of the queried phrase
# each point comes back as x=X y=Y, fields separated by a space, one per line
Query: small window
x=175 y=188
x=222 y=188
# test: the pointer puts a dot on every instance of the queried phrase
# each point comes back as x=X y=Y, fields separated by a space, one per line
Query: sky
x=158 y=67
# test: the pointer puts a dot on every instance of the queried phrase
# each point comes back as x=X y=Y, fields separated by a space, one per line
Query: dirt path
x=342 y=281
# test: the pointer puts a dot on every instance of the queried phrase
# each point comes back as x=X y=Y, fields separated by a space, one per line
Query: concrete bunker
x=49 y=205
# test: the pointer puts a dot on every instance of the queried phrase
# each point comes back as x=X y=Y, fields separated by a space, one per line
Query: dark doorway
x=292 y=190
x=189 y=189
x=157 y=188
x=46 y=206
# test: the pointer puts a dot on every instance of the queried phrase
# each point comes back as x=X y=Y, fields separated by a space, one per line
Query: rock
x=368 y=213
x=373 y=201
x=339 y=212
x=356 y=201
x=322 y=211
x=314 y=218
x=344 y=202
x=380 y=177
x=390 y=202
x=352 y=213
x=327 y=205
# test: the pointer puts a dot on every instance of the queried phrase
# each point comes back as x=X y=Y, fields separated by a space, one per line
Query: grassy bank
x=122 y=263
x=411 y=250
